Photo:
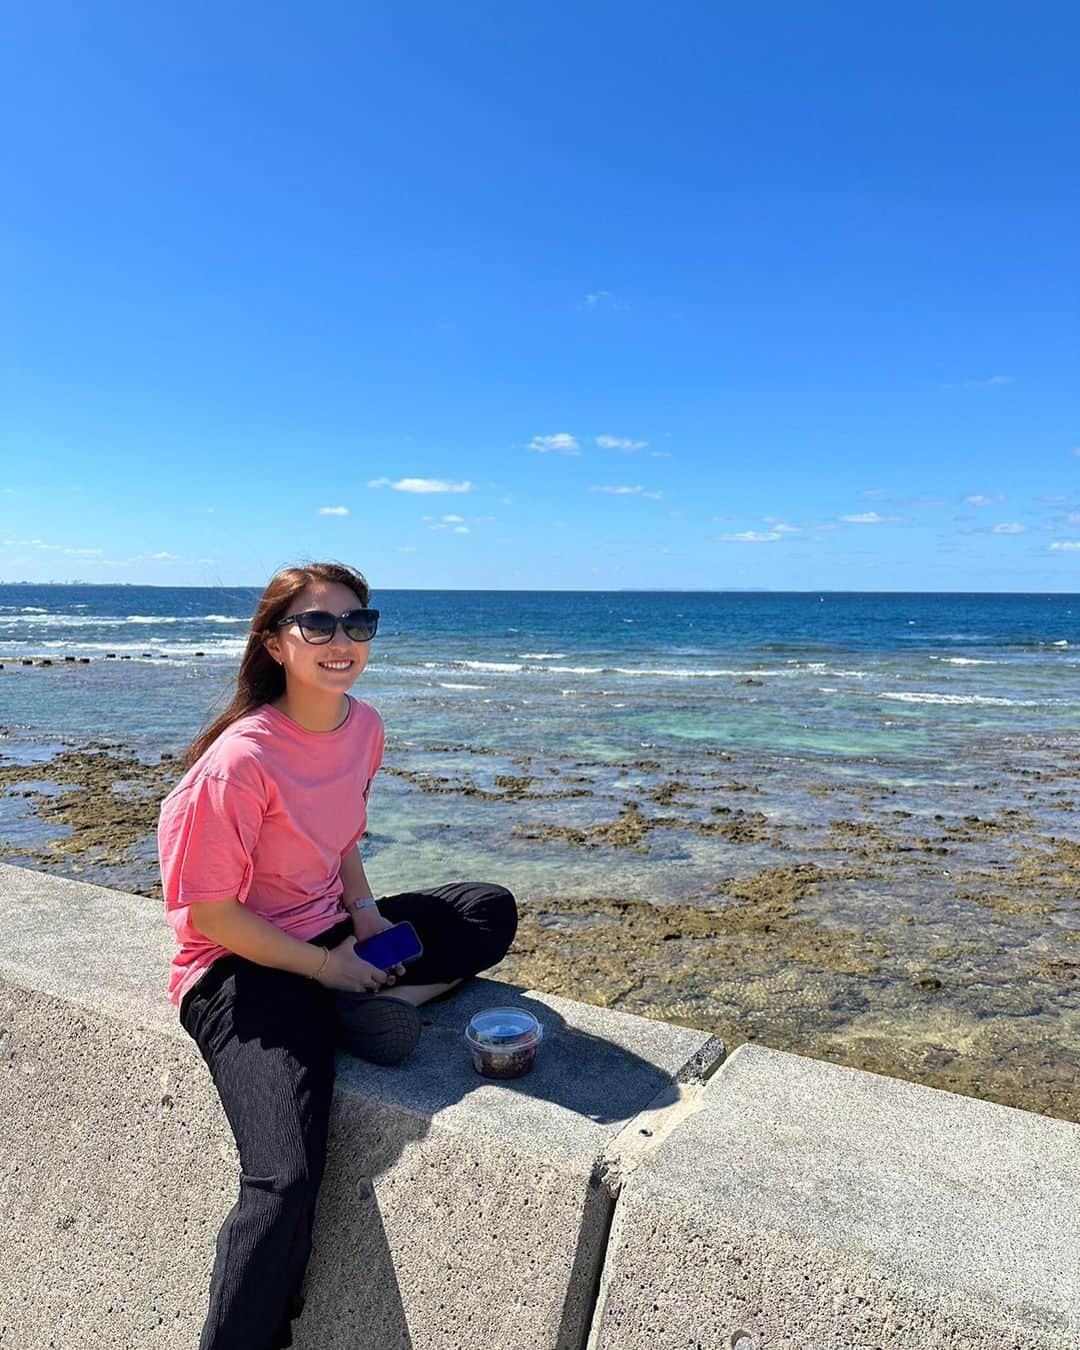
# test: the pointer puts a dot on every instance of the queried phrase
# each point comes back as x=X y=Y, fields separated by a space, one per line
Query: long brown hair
x=260 y=678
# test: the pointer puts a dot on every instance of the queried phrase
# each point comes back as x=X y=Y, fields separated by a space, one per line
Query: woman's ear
x=272 y=648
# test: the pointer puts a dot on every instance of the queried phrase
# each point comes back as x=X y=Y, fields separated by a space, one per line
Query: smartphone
x=392 y=946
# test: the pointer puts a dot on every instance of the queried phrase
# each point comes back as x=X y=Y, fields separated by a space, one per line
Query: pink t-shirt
x=265 y=816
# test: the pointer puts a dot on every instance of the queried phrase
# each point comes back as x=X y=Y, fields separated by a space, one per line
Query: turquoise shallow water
x=835 y=676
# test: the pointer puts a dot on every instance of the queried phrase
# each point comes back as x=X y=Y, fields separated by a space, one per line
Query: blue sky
x=678 y=295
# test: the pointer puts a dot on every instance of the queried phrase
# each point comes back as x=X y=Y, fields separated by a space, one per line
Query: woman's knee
x=493 y=917
x=290 y=1188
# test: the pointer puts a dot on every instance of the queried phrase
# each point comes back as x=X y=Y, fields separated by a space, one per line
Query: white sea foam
x=817 y=668
x=660 y=673
x=1062 y=643
x=502 y=667
x=964 y=661
x=72 y=621
x=515 y=668
x=542 y=656
x=31 y=609
x=462 y=686
x=177 y=651
x=967 y=699
x=115 y=621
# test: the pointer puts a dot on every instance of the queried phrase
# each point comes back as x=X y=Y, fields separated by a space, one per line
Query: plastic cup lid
x=504 y=1027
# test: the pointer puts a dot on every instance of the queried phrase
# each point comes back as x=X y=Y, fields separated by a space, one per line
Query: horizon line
x=559 y=590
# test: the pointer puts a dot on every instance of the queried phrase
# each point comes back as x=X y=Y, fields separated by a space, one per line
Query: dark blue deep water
x=833 y=674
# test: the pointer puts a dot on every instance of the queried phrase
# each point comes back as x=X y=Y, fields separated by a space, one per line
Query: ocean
x=843 y=824
x=896 y=678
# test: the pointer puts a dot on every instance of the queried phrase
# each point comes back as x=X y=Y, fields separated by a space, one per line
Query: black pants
x=267 y=1036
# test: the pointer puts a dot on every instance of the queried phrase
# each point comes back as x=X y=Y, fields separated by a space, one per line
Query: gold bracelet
x=322 y=965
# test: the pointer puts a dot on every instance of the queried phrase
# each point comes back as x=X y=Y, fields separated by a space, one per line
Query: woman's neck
x=312 y=709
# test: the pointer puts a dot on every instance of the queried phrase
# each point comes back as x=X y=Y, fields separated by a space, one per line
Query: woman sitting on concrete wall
x=266 y=892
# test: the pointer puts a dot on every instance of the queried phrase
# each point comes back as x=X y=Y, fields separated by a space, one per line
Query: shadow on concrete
x=562 y=1116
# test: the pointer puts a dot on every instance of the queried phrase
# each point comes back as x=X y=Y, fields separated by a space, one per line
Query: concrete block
x=455 y=1211
x=807 y=1206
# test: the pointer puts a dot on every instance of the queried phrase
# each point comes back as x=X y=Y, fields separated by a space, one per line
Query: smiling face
x=319 y=668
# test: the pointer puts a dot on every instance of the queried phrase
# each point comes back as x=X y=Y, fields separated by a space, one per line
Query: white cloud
x=775 y=523
x=1065 y=546
x=54 y=548
x=1009 y=527
x=751 y=537
x=622 y=490
x=165 y=557
x=562 y=443
x=869 y=518
x=420 y=485
x=594 y=298
x=454 y=520
x=993 y=382
x=461 y=529
x=982 y=499
x=333 y=510
x=615 y=443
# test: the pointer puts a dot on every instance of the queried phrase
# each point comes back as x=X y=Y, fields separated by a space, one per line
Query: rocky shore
x=813 y=932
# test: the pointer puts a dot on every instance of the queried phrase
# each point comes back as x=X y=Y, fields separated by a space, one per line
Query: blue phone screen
x=388 y=948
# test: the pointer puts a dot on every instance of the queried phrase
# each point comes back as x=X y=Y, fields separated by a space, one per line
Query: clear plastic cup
x=503 y=1041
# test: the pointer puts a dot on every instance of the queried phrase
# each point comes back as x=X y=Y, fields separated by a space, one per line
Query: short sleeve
x=378 y=740
x=375 y=735
x=206 y=838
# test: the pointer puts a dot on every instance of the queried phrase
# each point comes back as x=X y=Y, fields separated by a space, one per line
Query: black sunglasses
x=319 y=625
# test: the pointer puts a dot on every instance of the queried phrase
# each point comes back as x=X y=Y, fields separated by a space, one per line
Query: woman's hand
x=346 y=971
x=366 y=923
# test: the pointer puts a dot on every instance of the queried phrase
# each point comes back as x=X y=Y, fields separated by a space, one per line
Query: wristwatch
x=354 y=905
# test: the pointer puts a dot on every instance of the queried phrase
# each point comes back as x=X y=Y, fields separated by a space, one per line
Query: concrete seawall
x=635 y=1190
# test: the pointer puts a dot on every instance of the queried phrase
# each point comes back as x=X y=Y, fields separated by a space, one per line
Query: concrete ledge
x=454 y=1211
x=624 y=1193
x=809 y=1205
